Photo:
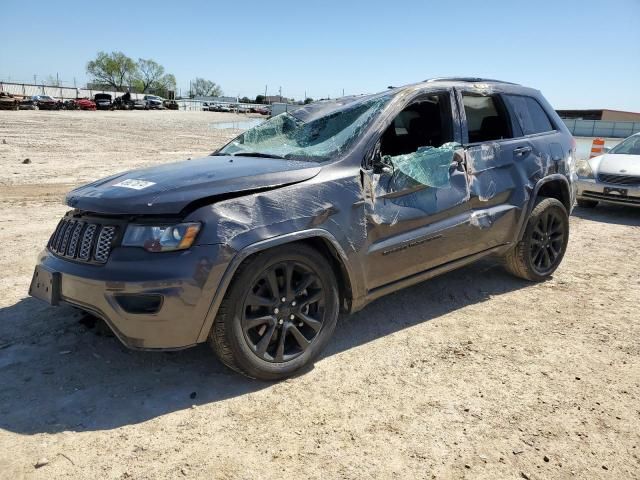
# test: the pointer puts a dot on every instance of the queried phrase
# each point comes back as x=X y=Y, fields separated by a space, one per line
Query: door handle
x=521 y=151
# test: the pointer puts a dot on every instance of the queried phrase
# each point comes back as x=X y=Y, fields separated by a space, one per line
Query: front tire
x=543 y=244
x=278 y=314
x=586 y=203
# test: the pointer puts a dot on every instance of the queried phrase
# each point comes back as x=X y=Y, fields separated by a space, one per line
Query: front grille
x=82 y=240
x=619 y=179
x=611 y=197
x=103 y=247
x=87 y=242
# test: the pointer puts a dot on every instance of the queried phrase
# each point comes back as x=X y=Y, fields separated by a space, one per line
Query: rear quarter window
x=530 y=114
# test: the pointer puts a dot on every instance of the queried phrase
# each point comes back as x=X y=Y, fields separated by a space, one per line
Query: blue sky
x=581 y=54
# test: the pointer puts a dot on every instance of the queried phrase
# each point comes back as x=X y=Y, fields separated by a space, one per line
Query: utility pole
x=265 y=94
x=57 y=80
x=280 y=94
x=343 y=92
x=35 y=79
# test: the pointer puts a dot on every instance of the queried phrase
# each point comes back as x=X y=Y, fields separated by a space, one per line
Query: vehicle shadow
x=615 y=214
x=57 y=374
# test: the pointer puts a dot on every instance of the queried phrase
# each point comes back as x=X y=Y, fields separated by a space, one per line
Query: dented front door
x=416 y=218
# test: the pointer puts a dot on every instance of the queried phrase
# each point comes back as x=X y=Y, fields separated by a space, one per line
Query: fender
x=532 y=201
x=258 y=247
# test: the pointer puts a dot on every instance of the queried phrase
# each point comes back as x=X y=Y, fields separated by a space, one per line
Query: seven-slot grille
x=619 y=179
x=81 y=240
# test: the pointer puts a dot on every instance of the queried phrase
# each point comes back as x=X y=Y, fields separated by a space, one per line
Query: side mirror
x=606 y=149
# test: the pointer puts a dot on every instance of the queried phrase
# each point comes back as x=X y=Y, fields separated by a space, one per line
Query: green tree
x=114 y=69
x=260 y=98
x=245 y=100
x=149 y=74
x=201 y=87
x=308 y=100
x=164 y=84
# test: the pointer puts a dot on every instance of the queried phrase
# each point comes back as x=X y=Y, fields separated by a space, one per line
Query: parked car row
x=236 y=108
x=104 y=101
x=100 y=101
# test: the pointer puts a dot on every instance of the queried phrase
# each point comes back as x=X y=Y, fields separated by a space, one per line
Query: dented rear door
x=497 y=172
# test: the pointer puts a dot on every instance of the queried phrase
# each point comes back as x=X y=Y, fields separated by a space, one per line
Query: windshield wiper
x=257 y=154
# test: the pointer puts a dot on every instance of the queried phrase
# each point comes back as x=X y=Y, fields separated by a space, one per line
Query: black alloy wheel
x=278 y=313
x=283 y=312
x=547 y=240
x=537 y=255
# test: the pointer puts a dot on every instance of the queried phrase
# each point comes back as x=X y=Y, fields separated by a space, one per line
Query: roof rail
x=467 y=79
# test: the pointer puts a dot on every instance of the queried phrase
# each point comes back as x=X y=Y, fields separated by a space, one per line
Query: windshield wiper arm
x=256 y=154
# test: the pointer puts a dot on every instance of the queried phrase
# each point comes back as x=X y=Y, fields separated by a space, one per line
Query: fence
x=601 y=128
x=65 y=93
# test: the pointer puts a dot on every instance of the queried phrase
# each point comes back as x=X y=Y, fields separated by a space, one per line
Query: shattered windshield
x=285 y=136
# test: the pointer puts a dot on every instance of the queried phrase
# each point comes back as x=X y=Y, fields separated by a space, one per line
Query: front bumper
x=186 y=281
x=592 y=189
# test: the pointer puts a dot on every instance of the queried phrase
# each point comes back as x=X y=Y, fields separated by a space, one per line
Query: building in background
x=216 y=99
x=278 y=99
x=603 y=114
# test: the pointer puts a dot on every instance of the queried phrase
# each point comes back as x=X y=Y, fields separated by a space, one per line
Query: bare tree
x=201 y=87
x=52 y=80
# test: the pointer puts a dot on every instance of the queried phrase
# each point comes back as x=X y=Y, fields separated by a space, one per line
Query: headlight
x=161 y=238
x=583 y=169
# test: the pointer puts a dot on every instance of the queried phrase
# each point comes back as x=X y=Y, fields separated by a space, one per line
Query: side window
x=486 y=118
x=418 y=146
x=426 y=123
x=530 y=114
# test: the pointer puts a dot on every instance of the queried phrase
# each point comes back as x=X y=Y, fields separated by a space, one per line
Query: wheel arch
x=320 y=239
x=553 y=186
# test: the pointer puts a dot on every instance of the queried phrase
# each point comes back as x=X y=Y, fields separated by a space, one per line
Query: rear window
x=531 y=116
x=486 y=118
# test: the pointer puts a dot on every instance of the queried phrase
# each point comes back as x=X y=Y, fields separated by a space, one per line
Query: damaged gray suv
x=258 y=247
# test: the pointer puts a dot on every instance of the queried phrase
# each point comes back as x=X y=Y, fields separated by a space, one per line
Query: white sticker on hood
x=133 y=183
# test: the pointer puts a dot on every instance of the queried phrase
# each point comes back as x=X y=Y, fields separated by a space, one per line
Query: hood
x=168 y=189
x=617 y=164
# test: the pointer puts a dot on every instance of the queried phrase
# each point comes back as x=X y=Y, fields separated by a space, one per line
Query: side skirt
x=426 y=275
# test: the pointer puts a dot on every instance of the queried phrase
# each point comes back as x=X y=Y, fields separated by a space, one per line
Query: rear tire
x=587 y=203
x=278 y=313
x=543 y=244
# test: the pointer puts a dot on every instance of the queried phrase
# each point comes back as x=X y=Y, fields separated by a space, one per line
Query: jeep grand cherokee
x=258 y=247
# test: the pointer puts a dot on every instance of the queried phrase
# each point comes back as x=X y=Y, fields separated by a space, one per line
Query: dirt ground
x=473 y=374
